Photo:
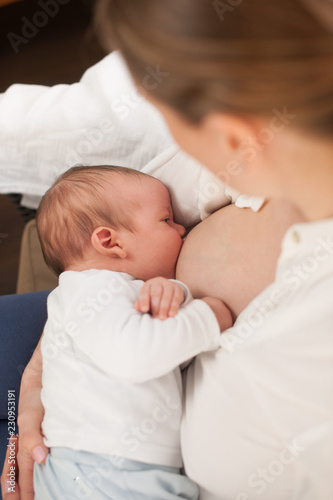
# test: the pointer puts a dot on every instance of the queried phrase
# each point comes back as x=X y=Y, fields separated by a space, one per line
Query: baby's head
x=112 y=218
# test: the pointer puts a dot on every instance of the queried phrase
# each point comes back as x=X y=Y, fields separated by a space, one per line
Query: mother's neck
x=307 y=175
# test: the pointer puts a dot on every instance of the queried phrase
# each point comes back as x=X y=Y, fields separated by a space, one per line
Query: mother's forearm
x=31 y=382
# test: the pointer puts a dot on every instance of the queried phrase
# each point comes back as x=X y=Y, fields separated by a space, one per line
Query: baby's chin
x=170 y=275
x=159 y=273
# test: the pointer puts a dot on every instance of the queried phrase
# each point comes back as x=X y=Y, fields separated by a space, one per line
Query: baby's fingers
x=177 y=300
x=156 y=294
x=161 y=297
x=143 y=304
x=150 y=297
x=171 y=300
x=166 y=302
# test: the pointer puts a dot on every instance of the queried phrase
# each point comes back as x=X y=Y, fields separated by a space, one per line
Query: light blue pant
x=78 y=475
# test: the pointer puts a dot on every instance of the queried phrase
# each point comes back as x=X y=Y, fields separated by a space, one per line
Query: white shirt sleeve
x=187 y=294
x=100 y=120
x=244 y=200
x=136 y=347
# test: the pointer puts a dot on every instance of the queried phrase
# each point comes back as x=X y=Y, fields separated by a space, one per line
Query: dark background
x=59 y=52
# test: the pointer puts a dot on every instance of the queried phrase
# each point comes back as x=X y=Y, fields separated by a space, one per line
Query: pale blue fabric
x=77 y=475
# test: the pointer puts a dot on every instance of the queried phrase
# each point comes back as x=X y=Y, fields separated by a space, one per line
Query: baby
x=118 y=329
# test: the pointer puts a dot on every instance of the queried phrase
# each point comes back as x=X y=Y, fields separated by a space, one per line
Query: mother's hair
x=243 y=57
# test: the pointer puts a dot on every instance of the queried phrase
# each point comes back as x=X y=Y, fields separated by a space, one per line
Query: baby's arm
x=136 y=347
x=162 y=298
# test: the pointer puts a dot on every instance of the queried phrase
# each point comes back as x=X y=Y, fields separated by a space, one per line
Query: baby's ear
x=106 y=241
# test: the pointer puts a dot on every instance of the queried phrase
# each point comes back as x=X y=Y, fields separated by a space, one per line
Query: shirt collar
x=307 y=239
x=304 y=235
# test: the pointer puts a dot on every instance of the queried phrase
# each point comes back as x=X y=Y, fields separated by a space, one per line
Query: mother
x=250 y=83
x=259 y=412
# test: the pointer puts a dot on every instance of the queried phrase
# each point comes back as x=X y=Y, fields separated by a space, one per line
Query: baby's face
x=155 y=244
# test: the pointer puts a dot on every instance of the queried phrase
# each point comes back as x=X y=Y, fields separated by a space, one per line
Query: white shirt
x=101 y=120
x=111 y=376
x=258 y=421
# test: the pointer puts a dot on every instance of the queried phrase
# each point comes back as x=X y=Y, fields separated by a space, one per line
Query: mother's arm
x=233 y=253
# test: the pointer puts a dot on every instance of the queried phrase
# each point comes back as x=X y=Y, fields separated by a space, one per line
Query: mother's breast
x=233 y=253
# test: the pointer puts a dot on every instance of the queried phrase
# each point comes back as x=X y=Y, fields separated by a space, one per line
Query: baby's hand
x=161 y=297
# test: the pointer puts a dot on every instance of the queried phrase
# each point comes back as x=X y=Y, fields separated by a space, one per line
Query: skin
x=234 y=252
x=152 y=248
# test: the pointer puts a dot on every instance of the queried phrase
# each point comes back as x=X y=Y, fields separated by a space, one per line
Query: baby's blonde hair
x=74 y=207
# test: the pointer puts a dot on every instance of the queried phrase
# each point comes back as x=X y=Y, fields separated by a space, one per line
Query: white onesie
x=111 y=371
